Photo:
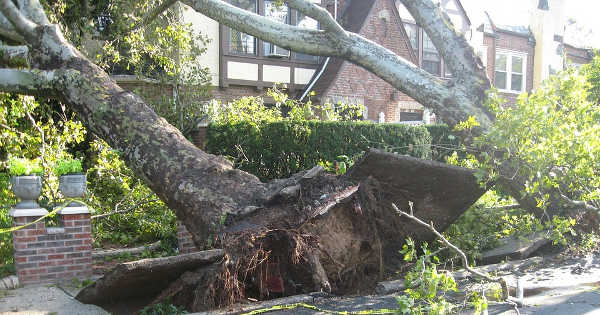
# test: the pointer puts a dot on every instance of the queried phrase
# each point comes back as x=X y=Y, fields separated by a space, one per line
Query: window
x=279 y=14
x=306 y=22
x=432 y=62
x=509 y=71
x=242 y=43
x=413 y=36
x=427 y=55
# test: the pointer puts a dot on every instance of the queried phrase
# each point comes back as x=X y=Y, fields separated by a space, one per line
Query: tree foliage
x=551 y=136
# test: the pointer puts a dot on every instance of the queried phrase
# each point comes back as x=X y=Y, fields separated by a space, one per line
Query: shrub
x=68 y=166
x=22 y=166
x=279 y=149
x=443 y=141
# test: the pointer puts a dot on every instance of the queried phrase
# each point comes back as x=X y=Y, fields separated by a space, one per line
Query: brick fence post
x=77 y=223
x=199 y=137
x=28 y=248
x=51 y=254
x=184 y=240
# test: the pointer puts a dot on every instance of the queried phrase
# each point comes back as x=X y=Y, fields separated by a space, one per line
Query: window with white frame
x=509 y=71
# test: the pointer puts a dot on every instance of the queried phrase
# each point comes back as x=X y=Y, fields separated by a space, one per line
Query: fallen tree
x=312 y=231
x=336 y=234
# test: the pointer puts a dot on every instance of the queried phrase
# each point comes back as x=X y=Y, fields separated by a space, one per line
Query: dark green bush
x=443 y=141
x=280 y=149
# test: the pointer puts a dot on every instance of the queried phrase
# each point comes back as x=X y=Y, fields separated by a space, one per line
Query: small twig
x=43 y=139
x=130 y=251
x=13 y=130
x=465 y=261
x=506 y=207
x=125 y=210
x=580 y=204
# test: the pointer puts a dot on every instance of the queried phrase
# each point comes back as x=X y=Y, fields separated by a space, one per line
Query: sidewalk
x=49 y=299
x=569 y=288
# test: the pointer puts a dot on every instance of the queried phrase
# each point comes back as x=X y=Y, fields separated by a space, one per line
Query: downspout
x=316 y=78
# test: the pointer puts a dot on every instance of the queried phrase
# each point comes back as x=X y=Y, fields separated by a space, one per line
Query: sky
x=514 y=12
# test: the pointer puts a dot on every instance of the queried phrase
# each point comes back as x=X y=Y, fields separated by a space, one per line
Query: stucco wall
x=210 y=28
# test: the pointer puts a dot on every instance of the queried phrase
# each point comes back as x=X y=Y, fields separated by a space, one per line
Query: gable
x=379 y=21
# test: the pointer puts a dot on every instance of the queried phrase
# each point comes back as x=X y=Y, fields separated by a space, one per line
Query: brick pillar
x=48 y=255
x=184 y=240
x=199 y=136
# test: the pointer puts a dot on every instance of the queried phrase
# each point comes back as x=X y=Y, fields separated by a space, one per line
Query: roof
x=353 y=19
x=515 y=29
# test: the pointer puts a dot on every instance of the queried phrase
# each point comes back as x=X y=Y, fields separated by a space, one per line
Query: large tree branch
x=579 y=204
x=315 y=42
x=318 y=13
x=150 y=16
x=22 y=24
x=31 y=82
x=447 y=40
x=34 y=11
x=466 y=67
x=7 y=31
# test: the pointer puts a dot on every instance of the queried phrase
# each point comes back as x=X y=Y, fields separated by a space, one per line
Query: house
x=518 y=57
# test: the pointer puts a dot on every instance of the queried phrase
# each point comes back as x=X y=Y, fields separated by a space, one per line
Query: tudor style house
x=518 y=57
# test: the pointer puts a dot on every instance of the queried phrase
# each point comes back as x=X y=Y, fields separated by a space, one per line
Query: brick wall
x=46 y=255
x=184 y=240
x=508 y=41
x=383 y=27
x=577 y=55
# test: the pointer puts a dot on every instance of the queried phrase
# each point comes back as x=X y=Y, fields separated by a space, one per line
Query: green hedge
x=279 y=149
x=443 y=141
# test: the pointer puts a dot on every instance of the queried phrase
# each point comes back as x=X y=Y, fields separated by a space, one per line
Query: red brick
x=82 y=248
x=18 y=233
x=68 y=223
x=37 y=258
x=34 y=271
x=46 y=250
x=83 y=235
x=65 y=262
x=49 y=263
x=75 y=267
x=20 y=246
x=82 y=222
x=36 y=232
x=73 y=217
x=21 y=259
x=56 y=256
x=25 y=239
x=29 y=278
x=86 y=260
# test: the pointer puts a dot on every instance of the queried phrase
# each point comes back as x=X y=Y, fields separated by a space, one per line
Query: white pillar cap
x=35 y=212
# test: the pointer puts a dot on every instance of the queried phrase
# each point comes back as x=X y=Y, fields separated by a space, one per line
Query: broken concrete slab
x=515 y=247
x=144 y=278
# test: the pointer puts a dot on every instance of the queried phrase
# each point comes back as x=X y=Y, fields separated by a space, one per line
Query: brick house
x=518 y=57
